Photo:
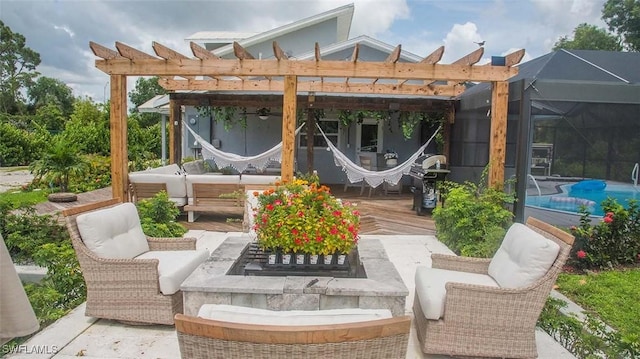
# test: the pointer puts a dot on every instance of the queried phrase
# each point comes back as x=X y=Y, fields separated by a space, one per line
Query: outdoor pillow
x=523 y=257
x=113 y=232
x=175 y=266
x=431 y=287
x=247 y=315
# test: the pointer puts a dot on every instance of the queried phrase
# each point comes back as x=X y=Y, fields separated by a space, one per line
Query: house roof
x=219 y=36
x=157 y=104
x=343 y=14
x=361 y=40
x=577 y=66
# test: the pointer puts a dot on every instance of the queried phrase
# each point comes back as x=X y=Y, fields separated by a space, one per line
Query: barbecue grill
x=426 y=172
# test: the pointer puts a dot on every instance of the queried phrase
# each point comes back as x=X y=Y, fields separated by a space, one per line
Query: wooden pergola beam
x=312 y=86
x=394 y=56
x=131 y=53
x=317 y=54
x=103 y=52
x=241 y=53
x=202 y=53
x=434 y=57
x=278 y=53
x=341 y=69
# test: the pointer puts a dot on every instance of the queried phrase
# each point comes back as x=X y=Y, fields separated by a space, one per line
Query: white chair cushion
x=168 y=169
x=113 y=232
x=430 y=287
x=258 y=179
x=523 y=257
x=175 y=266
x=225 y=179
x=246 y=315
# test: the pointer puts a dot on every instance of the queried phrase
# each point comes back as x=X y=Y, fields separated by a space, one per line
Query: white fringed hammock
x=240 y=163
x=356 y=173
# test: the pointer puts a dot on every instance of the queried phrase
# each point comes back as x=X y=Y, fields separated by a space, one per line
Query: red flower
x=278 y=202
x=608 y=219
x=581 y=254
x=609 y=214
x=270 y=207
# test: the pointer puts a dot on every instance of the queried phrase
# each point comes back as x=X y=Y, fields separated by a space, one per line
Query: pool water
x=621 y=193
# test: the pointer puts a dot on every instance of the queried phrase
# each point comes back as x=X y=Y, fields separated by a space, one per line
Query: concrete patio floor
x=76 y=335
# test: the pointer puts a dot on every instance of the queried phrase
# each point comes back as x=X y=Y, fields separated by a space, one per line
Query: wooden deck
x=380 y=214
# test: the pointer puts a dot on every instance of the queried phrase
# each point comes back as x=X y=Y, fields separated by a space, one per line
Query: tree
x=46 y=91
x=59 y=161
x=589 y=37
x=145 y=90
x=17 y=70
x=623 y=18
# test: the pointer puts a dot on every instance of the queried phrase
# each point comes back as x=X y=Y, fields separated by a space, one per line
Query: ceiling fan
x=264 y=113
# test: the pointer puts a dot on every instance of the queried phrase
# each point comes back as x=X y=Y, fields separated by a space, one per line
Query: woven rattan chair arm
x=460 y=264
x=490 y=305
x=171 y=243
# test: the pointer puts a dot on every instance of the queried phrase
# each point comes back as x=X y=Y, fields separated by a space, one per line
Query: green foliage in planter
x=473 y=220
x=588 y=339
x=612 y=242
x=60 y=161
x=41 y=240
x=158 y=217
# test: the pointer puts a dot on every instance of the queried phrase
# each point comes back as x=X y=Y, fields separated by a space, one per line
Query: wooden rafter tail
x=317 y=52
x=202 y=53
x=471 y=58
x=167 y=53
x=356 y=51
x=434 y=57
x=278 y=53
x=132 y=53
x=394 y=56
x=514 y=58
x=103 y=52
x=241 y=53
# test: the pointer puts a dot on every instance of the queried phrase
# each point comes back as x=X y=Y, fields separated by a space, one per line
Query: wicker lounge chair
x=142 y=287
x=489 y=307
x=369 y=338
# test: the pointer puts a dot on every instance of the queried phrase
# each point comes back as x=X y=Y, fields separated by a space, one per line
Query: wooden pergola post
x=118 y=128
x=175 y=131
x=498 y=136
x=289 y=126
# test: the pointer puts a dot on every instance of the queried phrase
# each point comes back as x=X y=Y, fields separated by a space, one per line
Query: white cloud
x=460 y=41
x=373 y=17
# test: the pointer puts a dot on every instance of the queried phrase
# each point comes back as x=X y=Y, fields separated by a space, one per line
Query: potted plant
x=302 y=218
x=391 y=158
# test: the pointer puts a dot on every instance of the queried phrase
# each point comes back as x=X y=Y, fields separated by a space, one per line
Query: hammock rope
x=355 y=173
x=239 y=163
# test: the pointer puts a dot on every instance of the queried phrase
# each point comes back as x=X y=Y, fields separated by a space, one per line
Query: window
x=329 y=127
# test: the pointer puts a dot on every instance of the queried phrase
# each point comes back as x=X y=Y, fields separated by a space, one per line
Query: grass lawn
x=614 y=295
x=17 y=199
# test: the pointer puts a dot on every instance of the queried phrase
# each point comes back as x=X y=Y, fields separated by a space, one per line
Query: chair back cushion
x=113 y=232
x=246 y=315
x=523 y=257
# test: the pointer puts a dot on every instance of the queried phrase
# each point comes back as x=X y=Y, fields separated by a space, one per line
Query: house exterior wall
x=298 y=42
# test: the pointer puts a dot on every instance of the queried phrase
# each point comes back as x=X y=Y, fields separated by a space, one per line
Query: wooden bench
x=215 y=197
x=143 y=190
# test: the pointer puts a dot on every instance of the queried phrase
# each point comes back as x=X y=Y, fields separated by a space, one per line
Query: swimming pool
x=571 y=200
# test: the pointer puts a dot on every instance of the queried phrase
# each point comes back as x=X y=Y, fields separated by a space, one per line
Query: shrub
x=612 y=242
x=473 y=220
x=158 y=217
x=41 y=240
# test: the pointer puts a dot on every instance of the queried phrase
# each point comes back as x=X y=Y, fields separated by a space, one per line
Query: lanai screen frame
x=208 y=72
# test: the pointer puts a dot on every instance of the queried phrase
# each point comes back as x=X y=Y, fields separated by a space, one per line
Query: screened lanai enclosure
x=577 y=114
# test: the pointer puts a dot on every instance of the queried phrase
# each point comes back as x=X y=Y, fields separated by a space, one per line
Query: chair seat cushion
x=246 y=315
x=175 y=266
x=523 y=257
x=431 y=291
x=113 y=232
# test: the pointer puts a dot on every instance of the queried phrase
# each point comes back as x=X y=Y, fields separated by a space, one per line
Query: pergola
x=207 y=72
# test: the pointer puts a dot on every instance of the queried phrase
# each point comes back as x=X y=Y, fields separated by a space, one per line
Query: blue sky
x=60 y=30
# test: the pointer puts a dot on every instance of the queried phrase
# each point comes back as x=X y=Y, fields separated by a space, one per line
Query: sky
x=60 y=30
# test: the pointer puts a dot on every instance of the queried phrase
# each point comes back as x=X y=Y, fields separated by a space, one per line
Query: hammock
x=239 y=163
x=356 y=173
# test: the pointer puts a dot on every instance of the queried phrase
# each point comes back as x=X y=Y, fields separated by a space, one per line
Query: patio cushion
x=523 y=257
x=246 y=315
x=175 y=266
x=248 y=180
x=113 y=232
x=431 y=291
